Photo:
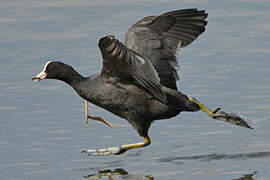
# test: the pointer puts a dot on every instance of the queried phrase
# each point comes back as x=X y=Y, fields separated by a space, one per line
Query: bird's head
x=53 y=70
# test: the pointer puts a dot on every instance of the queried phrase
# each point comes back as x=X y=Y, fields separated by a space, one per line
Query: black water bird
x=138 y=78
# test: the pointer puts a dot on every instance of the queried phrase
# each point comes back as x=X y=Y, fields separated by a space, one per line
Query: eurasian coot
x=138 y=78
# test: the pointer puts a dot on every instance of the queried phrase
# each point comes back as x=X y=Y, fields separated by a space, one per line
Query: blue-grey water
x=42 y=129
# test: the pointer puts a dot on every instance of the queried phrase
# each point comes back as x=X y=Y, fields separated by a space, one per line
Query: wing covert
x=124 y=63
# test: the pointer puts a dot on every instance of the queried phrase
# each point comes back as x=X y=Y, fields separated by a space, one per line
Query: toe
x=107 y=151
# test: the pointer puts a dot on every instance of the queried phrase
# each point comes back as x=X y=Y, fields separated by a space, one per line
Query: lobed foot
x=101 y=120
x=116 y=150
x=95 y=117
x=222 y=116
x=230 y=117
x=106 y=151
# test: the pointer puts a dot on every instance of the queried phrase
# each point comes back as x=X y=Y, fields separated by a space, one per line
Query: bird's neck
x=72 y=77
x=76 y=81
x=82 y=85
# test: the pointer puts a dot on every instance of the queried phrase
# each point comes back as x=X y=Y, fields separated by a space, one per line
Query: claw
x=216 y=110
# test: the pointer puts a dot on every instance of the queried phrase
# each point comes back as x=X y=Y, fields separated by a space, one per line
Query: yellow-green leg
x=222 y=116
x=118 y=149
x=95 y=117
x=205 y=109
x=146 y=142
x=86 y=112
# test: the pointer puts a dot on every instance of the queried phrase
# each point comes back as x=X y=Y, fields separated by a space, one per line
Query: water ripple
x=211 y=157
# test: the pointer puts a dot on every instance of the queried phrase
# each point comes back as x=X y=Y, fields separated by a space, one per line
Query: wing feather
x=124 y=63
x=159 y=38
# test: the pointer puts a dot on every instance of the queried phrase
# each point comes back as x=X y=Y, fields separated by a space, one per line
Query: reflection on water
x=118 y=174
x=247 y=177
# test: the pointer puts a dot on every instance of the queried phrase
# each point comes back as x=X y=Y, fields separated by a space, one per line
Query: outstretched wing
x=127 y=65
x=159 y=38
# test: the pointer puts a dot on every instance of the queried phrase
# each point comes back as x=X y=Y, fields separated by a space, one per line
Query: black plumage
x=138 y=78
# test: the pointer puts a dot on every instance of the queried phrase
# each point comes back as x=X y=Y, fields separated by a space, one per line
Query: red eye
x=49 y=67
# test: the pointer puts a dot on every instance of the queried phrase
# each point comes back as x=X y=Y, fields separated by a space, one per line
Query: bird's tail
x=179 y=101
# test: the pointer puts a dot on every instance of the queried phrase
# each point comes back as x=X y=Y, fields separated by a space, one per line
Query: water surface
x=42 y=127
